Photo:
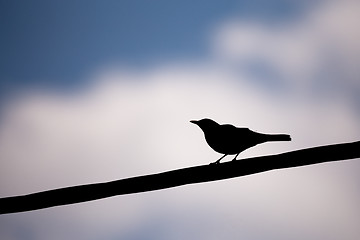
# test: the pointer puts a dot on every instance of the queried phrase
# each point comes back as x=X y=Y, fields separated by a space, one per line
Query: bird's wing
x=246 y=132
x=249 y=136
x=228 y=128
x=229 y=131
x=243 y=130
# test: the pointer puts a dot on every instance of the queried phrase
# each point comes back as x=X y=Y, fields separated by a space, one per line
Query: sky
x=94 y=91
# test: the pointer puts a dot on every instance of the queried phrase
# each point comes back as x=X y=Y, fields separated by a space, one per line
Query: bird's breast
x=224 y=143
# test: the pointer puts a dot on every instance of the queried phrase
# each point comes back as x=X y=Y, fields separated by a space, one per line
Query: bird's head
x=205 y=123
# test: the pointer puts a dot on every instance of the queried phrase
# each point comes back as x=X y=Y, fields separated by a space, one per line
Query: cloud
x=314 y=55
x=122 y=127
x=130 y=123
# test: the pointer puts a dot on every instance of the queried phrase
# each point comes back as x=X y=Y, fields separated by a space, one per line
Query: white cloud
x=316 y=54
x=134 y=123
x=123 y=128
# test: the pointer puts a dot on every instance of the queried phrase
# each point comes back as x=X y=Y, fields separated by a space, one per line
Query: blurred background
x=94 y=91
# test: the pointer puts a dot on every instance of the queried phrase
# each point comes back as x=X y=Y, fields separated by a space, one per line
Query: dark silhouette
x=228 y=139
x=179 y=177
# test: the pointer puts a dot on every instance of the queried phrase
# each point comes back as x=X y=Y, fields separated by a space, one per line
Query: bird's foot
x=215 y=163
x=235 y=157
x=218 y=161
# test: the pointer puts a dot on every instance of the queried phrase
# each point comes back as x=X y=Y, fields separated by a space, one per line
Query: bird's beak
x=194 y=122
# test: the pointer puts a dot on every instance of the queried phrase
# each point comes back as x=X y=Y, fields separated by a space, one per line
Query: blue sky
x=136 y=72
x=51 y=42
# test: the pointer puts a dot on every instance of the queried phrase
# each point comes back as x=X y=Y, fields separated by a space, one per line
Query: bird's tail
x=278 y=137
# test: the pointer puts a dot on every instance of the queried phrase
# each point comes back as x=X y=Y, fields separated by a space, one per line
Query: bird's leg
x=235 y=157
x=218 y=161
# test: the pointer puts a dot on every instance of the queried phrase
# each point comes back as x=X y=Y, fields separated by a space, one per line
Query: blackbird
x=229 y=140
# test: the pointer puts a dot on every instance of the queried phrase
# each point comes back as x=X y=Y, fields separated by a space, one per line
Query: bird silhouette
x=229 y=140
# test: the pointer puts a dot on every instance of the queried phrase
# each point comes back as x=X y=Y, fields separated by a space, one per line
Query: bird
x=230 y=140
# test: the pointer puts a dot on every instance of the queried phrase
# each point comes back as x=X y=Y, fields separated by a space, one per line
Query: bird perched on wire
x=229 y=140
